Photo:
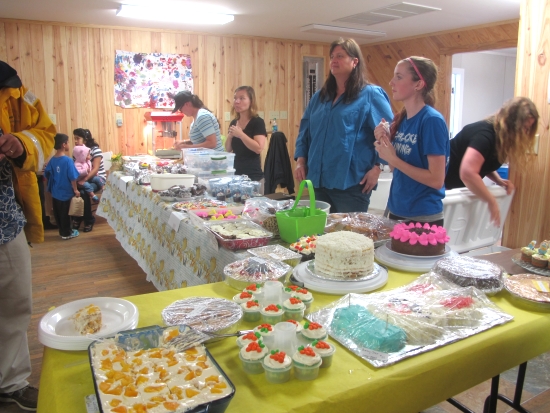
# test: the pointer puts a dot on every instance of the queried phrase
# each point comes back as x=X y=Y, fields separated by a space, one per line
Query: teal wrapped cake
x=357 y=324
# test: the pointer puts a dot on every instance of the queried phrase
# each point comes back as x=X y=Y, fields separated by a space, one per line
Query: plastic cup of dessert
x=326 y=355
x=284 y=337
x=307 y=303
x=311 y=339
x=272 y=291
x=294 y=314
x=252 y=366
x=251 y=314
x=304 y=373
x=271 y=318
x=276 y=376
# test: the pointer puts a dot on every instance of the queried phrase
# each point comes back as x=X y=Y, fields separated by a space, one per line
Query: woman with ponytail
x=480 y=148
x=416 y=145
x=205 y=129
x=96 y=177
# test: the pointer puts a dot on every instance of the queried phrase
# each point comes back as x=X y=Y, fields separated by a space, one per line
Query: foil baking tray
x=428 y=313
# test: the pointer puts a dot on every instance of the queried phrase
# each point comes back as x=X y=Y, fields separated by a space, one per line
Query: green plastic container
x=300 y=221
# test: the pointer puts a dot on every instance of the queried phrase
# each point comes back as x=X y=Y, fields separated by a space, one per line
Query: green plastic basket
x=300 y=221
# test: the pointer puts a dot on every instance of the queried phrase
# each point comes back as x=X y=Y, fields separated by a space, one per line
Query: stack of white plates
x=56 y=329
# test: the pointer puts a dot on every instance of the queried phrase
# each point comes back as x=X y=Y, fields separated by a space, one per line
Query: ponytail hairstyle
x=253 y=103
x=357 y=79
x=420 y=68
x=182 y=98
x=514 y=142
x=87 y=136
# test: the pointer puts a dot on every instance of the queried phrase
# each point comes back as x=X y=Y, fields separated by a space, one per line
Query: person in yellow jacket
x=26 y=137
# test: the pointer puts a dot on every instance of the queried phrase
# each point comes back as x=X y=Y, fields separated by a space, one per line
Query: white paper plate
x=406 y=262
x=313 y=283
x=77 y=344
x=56 y=327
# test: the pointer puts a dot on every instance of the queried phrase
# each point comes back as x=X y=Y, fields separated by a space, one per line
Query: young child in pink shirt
x=84 y=166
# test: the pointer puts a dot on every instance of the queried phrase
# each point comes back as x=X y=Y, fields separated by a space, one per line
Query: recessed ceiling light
x=173 y=13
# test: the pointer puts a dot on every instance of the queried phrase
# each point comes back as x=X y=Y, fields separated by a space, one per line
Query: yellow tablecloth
x=350 y=384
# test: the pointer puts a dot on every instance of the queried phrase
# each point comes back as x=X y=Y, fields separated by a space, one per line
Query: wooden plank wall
x=70 y=68
x=382 y=57
x=530 y=205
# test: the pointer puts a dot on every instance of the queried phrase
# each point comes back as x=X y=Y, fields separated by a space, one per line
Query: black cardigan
x=277 y=167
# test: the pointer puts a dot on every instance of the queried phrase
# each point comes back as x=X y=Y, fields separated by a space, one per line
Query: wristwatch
x=381 y=166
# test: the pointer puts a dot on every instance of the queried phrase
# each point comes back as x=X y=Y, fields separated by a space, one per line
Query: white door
x=457 y=93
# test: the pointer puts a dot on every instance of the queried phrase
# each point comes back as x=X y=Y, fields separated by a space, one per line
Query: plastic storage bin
x=160 y=182
x=467 y=218
x=209 y=160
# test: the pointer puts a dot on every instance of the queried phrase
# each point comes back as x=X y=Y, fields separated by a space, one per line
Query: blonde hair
x=253 y=109
x=513 y=142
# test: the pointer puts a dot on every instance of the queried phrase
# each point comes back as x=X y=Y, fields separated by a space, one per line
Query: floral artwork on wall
x=147 y=80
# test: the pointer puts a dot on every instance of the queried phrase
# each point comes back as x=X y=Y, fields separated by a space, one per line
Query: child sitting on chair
x=84 y=166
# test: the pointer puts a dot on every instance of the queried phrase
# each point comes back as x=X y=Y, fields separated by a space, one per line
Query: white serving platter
x=407 y=262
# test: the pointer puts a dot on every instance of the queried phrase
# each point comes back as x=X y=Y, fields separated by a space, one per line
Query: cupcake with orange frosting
x=277 y=366
x=314 y=331
x=304 y=295
x=325 y=350
x=251 y=310
x=253 y=289
x=252 y=356
x=296 y=324
x=294 y=309
x=242 y=297
x=272 y=314
x=248 y=338
x=306 y=363
x=265 y=330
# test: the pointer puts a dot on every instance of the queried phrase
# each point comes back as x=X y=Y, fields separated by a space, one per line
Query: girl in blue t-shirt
x=416 y=145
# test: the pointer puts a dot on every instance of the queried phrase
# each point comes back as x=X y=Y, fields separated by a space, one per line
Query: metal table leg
x=490 y=405
x=491 y=401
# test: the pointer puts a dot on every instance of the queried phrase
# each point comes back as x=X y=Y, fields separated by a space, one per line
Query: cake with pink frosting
x=416 y=238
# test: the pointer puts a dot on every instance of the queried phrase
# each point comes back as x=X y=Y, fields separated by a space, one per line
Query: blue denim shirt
x=12 y=219
x=338 y=139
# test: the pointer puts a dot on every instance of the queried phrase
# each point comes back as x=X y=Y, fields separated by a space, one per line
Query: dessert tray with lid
x=411 y=263
x=306 y=274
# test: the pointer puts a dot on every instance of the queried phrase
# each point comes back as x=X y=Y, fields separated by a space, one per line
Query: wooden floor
x=95 y=265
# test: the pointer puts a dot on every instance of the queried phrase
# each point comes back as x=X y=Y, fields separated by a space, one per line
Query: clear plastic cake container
x=277 y=253
x=255 y=270
x=209 y=161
